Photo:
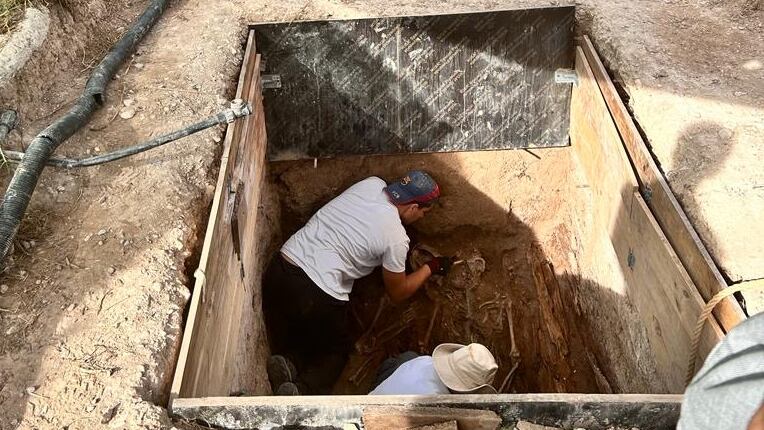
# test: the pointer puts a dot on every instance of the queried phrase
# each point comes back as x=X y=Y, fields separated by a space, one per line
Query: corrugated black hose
x=28 y=172
x=237 y=110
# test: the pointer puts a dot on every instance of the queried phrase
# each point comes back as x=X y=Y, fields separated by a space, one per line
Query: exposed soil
x=90 y=323
x=515 y=212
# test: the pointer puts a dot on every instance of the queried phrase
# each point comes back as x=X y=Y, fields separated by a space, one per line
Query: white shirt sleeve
x=394 y=258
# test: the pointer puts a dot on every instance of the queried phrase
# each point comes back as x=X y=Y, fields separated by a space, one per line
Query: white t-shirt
x=415 y=376
x=347 y=238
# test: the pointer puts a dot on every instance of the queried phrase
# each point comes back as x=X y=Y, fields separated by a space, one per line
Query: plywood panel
x=437 y=83
x=598 y=147
x=657 y=283
x=662 y=202
x=223 y=285
x=662 y=292
x=591 y=411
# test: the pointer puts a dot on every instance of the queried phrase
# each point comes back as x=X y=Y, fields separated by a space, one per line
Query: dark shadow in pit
x=560 y=340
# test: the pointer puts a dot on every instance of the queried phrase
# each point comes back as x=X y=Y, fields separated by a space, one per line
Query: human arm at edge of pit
x=401 y=286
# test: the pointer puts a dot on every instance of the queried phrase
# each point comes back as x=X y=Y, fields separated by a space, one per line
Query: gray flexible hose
x=24 y=181
x=238 y=109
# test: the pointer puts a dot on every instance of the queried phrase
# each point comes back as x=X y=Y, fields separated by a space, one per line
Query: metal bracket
x=270 y=81
x=236 y=234
x=647 y=193
x=565 y=76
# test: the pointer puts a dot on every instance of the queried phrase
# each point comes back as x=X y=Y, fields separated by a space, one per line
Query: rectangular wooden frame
x=661 y=294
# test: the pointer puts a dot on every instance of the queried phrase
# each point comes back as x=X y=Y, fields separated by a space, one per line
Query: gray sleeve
x=729 y=388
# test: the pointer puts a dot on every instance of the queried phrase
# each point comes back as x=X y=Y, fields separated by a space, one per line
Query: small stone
x=26 y=245
x=87 y=238
x=71 y=307
x=139 y=66
x=725 y=133
x=31 y=389
x=3 y=289
x=12 y=329
x=32 y=243
x=100 y=242
x=38 y=282
x=97 y=149
x=217 y=139
x=22 y=273
x=128 y=102
x=60 y=188
x=127 y=112
x=111 y=270
x=739 y=93
x=102 y=232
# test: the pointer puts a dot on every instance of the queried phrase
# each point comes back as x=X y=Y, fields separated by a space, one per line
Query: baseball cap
x=415 y=187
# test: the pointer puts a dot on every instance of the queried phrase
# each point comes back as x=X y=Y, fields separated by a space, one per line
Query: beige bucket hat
x=465 y=369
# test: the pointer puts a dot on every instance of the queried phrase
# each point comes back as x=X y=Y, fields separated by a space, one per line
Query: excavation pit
x=562 y=252
x=514 y=211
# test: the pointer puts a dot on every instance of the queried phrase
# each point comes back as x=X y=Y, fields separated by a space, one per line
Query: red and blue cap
x=416 y=187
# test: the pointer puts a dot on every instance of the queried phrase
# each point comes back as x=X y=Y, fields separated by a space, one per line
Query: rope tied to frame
x=706 y=312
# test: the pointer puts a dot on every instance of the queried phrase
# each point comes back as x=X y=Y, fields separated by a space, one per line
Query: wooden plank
x=664 y=205
x=446 y=425
x=397 y=417
x=662 y=291
x=210 y=337
x=591 y=411
x=659 y=287
x=524 y=425
x=598 y=147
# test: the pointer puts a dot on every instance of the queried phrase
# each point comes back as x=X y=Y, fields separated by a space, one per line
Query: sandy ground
x=91 y=310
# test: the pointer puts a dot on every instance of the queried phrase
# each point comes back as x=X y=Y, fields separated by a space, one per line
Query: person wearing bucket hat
x=307 y=285
x=452 y=368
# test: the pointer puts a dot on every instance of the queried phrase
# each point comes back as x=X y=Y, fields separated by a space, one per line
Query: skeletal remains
x=372 y=341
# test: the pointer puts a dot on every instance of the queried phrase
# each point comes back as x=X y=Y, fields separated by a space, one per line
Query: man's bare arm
x=400 y=286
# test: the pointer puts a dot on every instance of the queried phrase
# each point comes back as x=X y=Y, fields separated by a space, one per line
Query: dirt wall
x=525 y=214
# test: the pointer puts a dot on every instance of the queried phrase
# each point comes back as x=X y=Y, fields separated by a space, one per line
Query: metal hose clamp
x=239 y=108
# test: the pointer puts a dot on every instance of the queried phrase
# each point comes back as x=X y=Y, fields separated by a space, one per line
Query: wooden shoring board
x=591 y=411
x=664 y=205
x=410 y=417
x=663 y=293
x=210 y=338
x=659 y=287
x=599 y=148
